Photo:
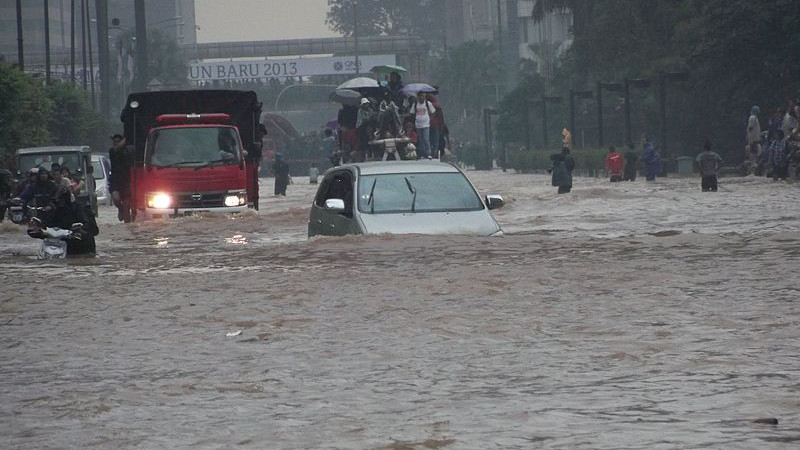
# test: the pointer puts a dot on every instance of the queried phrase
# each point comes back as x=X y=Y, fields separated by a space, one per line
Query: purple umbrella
x=332 y=124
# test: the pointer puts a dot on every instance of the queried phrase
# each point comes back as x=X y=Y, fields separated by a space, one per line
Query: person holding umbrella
x=423 y=110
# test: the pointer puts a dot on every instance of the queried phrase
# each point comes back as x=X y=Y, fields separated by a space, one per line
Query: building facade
x=175 y=18
x=510 y=23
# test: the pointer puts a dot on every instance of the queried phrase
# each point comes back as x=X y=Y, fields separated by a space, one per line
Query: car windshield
x=416 y=192
x=98 y=171
x=69 y=160
x=193 y=146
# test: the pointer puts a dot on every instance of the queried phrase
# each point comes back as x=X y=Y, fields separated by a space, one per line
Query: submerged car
x=408 y=197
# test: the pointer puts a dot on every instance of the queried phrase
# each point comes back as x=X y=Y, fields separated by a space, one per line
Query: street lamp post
x=637 y=83
x=141 y=76
x=663 y=78
x=487 y=131
x=101 y=9
x=572 y=95
x=47 y=42
x=20 y=51
x=545 y=99
x=609 y=86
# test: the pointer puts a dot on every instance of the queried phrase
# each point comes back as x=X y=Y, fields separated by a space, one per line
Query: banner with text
x=283 y=68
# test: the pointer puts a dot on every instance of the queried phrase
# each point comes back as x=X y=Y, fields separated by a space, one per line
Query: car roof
x=388 y=167
x=54 y=149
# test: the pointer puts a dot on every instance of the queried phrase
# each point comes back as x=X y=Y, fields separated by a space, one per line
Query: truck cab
x=192 y=151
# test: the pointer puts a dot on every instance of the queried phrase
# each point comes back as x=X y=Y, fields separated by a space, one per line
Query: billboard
x=284 y=68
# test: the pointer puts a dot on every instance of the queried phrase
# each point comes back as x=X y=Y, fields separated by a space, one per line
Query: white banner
x=282 y=68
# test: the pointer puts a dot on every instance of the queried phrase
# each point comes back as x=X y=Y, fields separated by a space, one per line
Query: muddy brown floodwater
x=635 y=316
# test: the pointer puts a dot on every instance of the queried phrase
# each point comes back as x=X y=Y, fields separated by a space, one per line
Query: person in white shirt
x=422 y=110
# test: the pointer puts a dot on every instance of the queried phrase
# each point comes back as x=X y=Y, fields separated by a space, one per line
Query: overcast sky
x=255 y=20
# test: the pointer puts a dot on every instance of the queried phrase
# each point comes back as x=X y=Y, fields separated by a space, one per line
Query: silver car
x=408 y=197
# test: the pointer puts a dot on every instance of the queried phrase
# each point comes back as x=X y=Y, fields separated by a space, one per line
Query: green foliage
x=476 y=155
x=516 y=107
x=24 y=112
x=166 y=62
x=587 y=160
x=738 y=53
x=421 y=18
x=466 y=79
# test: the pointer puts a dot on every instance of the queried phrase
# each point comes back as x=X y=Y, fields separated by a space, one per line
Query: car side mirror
x=494 y=201
x=334 y=205
x=90 y=169
x=245 y=153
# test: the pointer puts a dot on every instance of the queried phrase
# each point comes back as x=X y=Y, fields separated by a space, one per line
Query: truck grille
x=201 y=200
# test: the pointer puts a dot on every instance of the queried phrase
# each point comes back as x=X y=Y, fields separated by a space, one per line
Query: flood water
x=621 y=316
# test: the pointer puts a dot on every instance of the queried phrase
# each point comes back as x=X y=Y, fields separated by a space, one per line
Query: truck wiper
x=371 y=192
x=209 y=163
x=413 y=190
x=178 y=164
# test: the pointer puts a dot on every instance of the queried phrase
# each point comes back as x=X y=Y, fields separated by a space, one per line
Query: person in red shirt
x=614 y=164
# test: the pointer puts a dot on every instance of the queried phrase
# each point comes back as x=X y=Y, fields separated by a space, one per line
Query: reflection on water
x=543 y=339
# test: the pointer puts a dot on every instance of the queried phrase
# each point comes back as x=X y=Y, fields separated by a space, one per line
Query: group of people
x=620 y=167
x=771 y=152
x=389 y=125
x=55 y=198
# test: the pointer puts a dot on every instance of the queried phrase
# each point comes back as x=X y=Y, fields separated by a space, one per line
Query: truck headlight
x=159 y=200
x=236 y=199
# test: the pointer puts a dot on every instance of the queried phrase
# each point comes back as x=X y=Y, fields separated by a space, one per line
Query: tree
x=73 y=121
x=421 y=18
x=24 y=112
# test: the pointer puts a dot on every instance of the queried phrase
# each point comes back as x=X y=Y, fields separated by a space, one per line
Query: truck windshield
x=416 y=192
x=193 y=147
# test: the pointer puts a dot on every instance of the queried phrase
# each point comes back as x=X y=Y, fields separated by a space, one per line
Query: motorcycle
x=16 y=211
x=54 y=240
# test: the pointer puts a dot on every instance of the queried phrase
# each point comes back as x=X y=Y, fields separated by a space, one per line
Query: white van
x=102 y=173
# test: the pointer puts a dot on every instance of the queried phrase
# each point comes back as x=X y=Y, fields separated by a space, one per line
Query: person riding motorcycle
x=41 y=194
x=68 y=214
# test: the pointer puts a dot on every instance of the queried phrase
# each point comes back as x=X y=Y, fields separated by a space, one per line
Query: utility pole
x=47 y=42
x=83 y=44
x=355 y=36
x=20 y=51
x=140 y=78
x=72 y=41
x=101 y=9
x=91 y=58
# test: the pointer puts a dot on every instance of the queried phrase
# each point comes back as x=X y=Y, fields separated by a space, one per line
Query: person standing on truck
x=281 y=170
x=120 y=182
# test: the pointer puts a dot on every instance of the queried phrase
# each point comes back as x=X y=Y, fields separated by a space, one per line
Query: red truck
x=193 y=151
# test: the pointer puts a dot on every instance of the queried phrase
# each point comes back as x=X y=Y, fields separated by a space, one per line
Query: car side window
x=337 y=185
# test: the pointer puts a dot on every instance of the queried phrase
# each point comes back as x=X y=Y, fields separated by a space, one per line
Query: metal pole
x=47 y=41
x=72 y=41
x=628 y=135
x=91 y=58
x=101 y=10
x=141 y=76
x=544 y=119
x=662 y=95
x=527 y=126
x=599 y=115
x=20 y=51
x=572 y=111
x=355 y=36
x=83 y=44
